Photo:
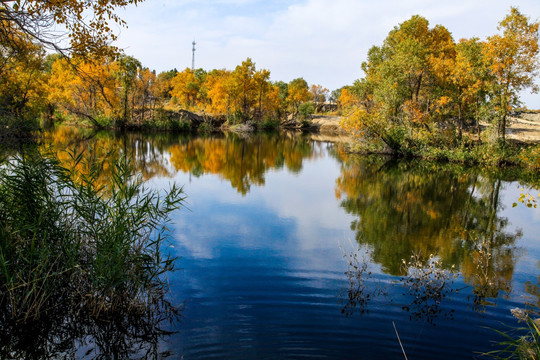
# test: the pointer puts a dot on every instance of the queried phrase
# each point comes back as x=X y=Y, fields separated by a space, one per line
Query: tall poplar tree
x=514 y=63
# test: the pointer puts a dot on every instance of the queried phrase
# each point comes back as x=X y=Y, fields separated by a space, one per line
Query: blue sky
x=322 y=41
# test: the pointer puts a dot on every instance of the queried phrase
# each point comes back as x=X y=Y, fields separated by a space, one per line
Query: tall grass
x=69 y=248
x=522 y=342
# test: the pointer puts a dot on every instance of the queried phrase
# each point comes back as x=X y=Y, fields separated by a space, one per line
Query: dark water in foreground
x=291 y=249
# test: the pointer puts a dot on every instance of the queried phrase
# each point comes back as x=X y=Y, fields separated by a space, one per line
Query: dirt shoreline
x=525 y=128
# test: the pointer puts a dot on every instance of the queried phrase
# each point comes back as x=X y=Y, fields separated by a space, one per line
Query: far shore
x=524 y=127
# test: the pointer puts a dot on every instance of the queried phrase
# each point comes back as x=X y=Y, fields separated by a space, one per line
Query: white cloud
x=324 y=42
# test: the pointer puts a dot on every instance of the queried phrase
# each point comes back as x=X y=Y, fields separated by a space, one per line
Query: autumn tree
x=118 y=91
x=414 y=61
x=318 y=94
x=90 y=92
x=513 y=61
x=188 y=88
x=143 y=91
x=402 y=66
x=344 y=98
x=419 y=84
x=298 y=92
x=219 y=85
x=261 y=81
x=163 y=84
x=74 y=28
x=244 y=87
x=22 y=77
x=243 y=94
x=88 y=24
x=183 y=88
x=401 y=85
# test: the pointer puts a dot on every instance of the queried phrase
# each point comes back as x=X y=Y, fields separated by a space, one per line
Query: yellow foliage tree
x=184 y=88
x=218 y=83
x=89 y=92
x=318 y=93
x=88 y=24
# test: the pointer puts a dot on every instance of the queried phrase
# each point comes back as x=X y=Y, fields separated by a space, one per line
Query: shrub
x=305 y=110
x=269 y=123
x=167 y=120
x=530 y=157
x=205 y=128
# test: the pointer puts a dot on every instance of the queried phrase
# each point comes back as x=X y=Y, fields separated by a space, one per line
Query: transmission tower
x=193 y=55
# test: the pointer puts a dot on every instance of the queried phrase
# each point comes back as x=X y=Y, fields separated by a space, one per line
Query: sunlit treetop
x=71 y=27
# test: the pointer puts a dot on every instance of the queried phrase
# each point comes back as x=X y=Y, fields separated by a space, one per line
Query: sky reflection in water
x=271 y=224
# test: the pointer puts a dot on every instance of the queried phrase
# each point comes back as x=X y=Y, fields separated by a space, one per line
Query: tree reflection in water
x=451 y=212
x=533 y=296
x=401 y=208
x=242 y=161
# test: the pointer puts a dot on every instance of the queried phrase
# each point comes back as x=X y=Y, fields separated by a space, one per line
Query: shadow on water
x=424 y=224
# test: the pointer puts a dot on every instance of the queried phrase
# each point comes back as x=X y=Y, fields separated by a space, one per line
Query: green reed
x=521 y=342
x=66 y=242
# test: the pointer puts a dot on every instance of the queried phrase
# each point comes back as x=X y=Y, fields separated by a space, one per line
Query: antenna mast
x=193 y=55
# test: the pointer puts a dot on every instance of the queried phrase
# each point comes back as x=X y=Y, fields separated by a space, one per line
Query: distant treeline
x=118 y=91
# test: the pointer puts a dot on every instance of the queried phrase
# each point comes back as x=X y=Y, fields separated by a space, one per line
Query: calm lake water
x=289 y=248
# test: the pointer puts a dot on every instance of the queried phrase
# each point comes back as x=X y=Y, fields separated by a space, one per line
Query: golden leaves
x=38 y=19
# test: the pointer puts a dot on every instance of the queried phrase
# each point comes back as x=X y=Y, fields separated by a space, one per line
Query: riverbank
x=522 y=128
x=520 y=148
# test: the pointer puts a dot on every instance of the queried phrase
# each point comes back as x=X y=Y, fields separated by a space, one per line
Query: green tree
x=126 y=75
x=513 y=59
x=405 y=81
x=470 y=78
x=283 y=93
x=298 y=93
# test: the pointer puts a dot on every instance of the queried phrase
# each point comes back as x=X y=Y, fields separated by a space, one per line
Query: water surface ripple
x=290 y=249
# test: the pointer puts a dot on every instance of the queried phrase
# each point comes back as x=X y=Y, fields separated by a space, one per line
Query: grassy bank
x=442 y=149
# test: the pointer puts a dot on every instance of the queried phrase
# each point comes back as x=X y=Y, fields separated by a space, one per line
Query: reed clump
x=70 y=247
x=522 y=342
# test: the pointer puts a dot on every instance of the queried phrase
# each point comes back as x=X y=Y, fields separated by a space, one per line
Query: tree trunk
x=460 y=123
